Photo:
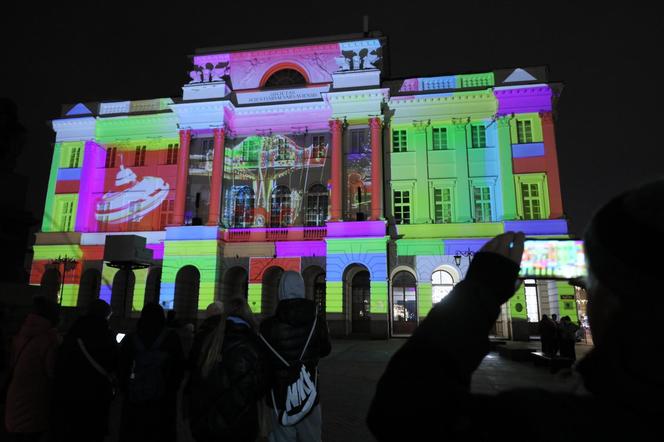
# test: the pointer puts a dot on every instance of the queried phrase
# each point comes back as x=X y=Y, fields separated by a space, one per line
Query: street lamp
x=67 y=264
x=459 y=253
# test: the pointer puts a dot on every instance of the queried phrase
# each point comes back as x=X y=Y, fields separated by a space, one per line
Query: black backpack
x=147 y=381
x=297 y=391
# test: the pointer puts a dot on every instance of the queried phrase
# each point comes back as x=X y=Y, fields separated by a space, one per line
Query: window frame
x=539 y=179
x=524 y=135
x=489 y=183
x=478 y=145
x=444 y=130
x=401 y=138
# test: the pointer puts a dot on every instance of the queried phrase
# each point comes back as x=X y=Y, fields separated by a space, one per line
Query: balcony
x=275 y=234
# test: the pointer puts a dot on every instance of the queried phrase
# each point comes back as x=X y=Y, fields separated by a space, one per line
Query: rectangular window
x=399 y=141
x=283 y=150
x=74 y=157
x=359 y=140
x=139 y=156
x=102 y=210
x=524 y=131
x=250 y=149
x=532 y=200
x=442 y=204
x=66 y=216
x=166 y=213
x=172 y=154
x=439 y=138
x=402 y=206
x=111 y=154
x=482 y=204
x=532 y=303
x=318 y=146
x=478 y=136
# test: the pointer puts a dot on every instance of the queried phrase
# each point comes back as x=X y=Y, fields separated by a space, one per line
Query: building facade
x=301 y=156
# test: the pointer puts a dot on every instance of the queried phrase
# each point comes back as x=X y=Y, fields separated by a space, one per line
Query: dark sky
x=609 y=115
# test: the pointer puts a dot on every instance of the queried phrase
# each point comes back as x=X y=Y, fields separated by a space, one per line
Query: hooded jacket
x=30 y=391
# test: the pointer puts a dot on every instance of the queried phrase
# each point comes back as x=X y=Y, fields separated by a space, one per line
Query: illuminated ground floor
x=367 y=282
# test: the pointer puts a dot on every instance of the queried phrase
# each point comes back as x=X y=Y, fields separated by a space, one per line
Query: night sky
x=609 y=115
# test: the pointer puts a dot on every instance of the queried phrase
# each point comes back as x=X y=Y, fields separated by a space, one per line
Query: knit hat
x=291 y=286
x=624 y=242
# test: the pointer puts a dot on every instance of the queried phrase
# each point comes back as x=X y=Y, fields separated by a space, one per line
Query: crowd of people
x=237 y=379
x=559 y=337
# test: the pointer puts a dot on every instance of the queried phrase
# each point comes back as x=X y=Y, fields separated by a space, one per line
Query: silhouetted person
x=555 y=341
x=229 y=378
x=547 y=331
x=290 y=331
x=151 y=369
x=619 y=397
x=32 y=365
x=85 y=377
x=567 y=331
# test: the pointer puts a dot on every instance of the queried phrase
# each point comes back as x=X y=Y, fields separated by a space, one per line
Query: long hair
x=214 y=343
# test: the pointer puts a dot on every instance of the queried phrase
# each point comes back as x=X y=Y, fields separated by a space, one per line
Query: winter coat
x=30 y=391
x=287 y=331
x=620 y=398
x=223 y=405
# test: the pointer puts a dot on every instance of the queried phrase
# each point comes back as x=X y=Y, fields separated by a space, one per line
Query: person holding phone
x=424 y=393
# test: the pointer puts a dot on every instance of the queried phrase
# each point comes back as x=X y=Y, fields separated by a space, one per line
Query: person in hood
x=426 y=384
x=32 y=365
x=85 y=377
x=287 y=332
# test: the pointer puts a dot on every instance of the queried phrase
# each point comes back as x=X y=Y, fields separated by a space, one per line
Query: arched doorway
x=88 y=290
x=122 y=292
x=314 y=286
x=187 y=284
x=50 y=284
x=404 y=303
x=357 y=285
x=270 y=290
x=153 y=286
x=235 y=283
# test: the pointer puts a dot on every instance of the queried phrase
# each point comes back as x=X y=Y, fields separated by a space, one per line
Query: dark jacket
x=29 y=394
x=223 y=406
x=83 y=394
x=206 y=327
x=431 y=374
x=287 y=331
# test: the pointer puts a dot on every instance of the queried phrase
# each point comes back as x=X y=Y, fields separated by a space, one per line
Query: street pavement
x=348 y=377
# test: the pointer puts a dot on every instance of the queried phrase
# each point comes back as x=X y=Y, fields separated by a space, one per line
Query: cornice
x=266 y=53
x=521 y=91
x=414 y=101
x=360 y=95
x=64 y=123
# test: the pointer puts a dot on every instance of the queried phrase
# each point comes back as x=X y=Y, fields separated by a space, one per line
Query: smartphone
x=553 y=259
x=119 y=337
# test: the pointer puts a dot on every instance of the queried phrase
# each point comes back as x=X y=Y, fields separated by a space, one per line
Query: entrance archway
x=235 y=283
x=153 y=286
x=122 y=293
x=404 y=303
x=50 y=284
x=187 y=284
x=270 y=291
x=314 y=286
x=88 y=290
x=357 y=287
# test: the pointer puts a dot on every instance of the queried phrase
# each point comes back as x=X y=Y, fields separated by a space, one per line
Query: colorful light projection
x=358 y=167
x=266 y=179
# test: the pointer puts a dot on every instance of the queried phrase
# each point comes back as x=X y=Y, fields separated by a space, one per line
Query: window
x=439 y=138
x=404 y=303
x=478 y=136
x=524 y=131
x=243 y=210
x=280 y=214
x=318 y=146
x=442 y=284
x=532 y=204
x=283 y=150
x=166 y=213
x=285 y=77
x=402 y=206
x=172 y=154
x=532 y=304
x=74 y=157
x=134 y=214
x=442 y=205
x=250 y=149
x=359 y=140
x=482 y=204
x=139 y=156
x=66 y=217
x=399 y=141
x=316 y=205
x=111 y=154
x=103 y=210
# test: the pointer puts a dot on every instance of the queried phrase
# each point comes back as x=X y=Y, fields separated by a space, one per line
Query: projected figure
x=195 y=76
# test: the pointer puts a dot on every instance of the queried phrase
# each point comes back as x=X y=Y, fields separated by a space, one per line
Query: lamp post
x=459 y=253
x=67 y=264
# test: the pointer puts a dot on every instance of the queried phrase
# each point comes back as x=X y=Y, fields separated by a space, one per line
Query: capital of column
x=336 y=125
x=547 y=117
x=460 y=123
x=376 y=123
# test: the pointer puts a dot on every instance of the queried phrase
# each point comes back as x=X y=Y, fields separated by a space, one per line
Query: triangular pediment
x=519 y=75
x=79 y=109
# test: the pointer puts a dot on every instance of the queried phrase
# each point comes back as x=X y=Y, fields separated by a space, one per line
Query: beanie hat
x=624 y=240
x=291 y=286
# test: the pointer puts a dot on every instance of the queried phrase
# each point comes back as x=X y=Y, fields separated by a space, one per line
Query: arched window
x=285 y=77
x=243 y=212
x=404 y=303
x=316 y=205
x=281 y=214
x=442 y=284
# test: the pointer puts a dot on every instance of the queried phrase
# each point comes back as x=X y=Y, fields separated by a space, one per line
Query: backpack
x=298 y=394
x=146 y=381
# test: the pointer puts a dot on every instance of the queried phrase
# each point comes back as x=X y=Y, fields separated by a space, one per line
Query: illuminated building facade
x=301 y=156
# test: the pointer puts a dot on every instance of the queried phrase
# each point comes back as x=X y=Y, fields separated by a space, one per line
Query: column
x=375 y=126
x=464 y=199
x=507 y=190
x=217 y=177
x=337 y=179
x=182 y=174
x=551 y=158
